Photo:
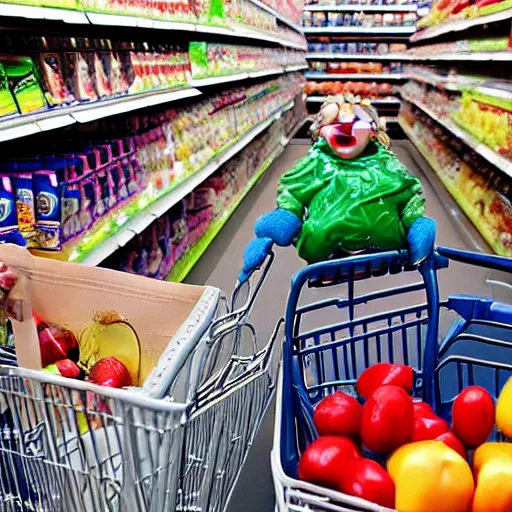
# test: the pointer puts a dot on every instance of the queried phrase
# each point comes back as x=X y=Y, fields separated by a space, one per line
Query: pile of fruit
x=425 y=466
x=364 y=89
x=106 y=353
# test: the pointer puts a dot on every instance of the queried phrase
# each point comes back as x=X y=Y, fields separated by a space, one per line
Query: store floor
x=219 y=267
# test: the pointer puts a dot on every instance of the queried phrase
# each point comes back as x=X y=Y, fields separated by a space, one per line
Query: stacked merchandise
x=70 y=196
x=446 y=11
x=460 y=116
x=483 y=192
x=163 y=249
x=358 y=19
x=55 y=72
x=375 y=29
x=214 y=59
x=289 y=9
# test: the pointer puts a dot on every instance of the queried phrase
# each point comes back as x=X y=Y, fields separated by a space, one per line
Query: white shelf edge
x=482 y=149
x=321 y=99
x=278 y=15
x=360 y=30
x=162 y=205
x=362 y=8
x=353 y=76
x=459 y=25
x=120 y=20
x=501 y=56
x=21 y=126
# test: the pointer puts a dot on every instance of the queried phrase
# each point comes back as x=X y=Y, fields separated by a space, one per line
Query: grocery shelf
x=459 y=83
x=459 y=25
x=185 y=264
x=129 y=227
x=354 y=76
x=391 y=31
x=355 y=56
x=279 y=16
x=235 y=77
x=362 y=8
x=14 y=127
x=121 y=20
x=502 y=163
x=388 y=101
x=444 y=189
x=502 y=56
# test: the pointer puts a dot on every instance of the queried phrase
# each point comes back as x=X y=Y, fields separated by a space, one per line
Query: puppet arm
x=295 y=190
x=421 y=230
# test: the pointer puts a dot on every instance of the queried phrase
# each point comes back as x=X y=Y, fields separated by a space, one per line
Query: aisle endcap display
x=362 y=8
x=502 y=163
x=129 y=227
x=460 y=25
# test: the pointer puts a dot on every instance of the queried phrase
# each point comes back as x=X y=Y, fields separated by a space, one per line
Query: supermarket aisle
x=219 y=267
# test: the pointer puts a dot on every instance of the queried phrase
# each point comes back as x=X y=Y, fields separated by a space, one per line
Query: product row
x=84 y=184
x=156 y=250
x=487 y=118
x=357 y=19
x=217 y=12
x=63 y=72
x=483 y=192
x=370 y=90
x=487 y=44
x=213 y=59
x=443 y=11
x=354 y=48
x=362 y=3
x=356 y=67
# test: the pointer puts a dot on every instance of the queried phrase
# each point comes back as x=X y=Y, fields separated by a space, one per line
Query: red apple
x=56 y=342
x=110 y=372
x=65 y=368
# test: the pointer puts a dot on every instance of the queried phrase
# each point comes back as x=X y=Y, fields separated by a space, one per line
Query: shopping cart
x=329 y=342
x=68 y=445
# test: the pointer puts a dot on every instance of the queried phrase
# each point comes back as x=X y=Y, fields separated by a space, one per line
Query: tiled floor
x=219 y=267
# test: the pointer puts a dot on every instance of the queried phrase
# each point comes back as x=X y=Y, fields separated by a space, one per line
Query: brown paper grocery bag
x=70 y=294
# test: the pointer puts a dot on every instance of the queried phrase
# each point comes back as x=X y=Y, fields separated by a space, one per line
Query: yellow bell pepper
x=504 y=409
x=494 y=490
x=429 y=476
x=490 y=452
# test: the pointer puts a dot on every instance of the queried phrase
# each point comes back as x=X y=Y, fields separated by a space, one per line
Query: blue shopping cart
x=331 y=339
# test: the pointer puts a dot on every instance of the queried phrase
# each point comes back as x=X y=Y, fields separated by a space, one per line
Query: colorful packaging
x=23 y=83
x=78 y=73
x=9 y=231
x=7 y=104
x=48 y=214
x=25 y=207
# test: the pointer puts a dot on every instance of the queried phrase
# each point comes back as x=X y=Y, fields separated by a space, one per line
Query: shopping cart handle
x=479 y=259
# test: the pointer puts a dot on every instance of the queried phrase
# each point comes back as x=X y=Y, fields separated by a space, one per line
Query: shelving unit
x=387 y=31
x=362 y=8
x=457 y=87
x=132 y=219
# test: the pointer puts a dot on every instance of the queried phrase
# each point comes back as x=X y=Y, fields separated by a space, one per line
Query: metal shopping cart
x=329 y=342
x=73 y=446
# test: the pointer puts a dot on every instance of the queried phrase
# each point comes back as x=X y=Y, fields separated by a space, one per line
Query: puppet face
x=348 y=140
x=347 y=127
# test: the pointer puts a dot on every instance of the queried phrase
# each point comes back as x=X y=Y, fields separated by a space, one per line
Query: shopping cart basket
x=323 y=355
x=68 y=445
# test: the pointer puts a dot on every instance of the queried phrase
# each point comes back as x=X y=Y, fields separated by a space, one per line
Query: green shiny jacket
x=350 y=205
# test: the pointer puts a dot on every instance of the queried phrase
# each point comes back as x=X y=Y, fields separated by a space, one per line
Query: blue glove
x=280 y=227
x=421 y=238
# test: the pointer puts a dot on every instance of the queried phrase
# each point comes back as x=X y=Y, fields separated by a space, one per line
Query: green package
x=23 y=83
x=7 y=103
